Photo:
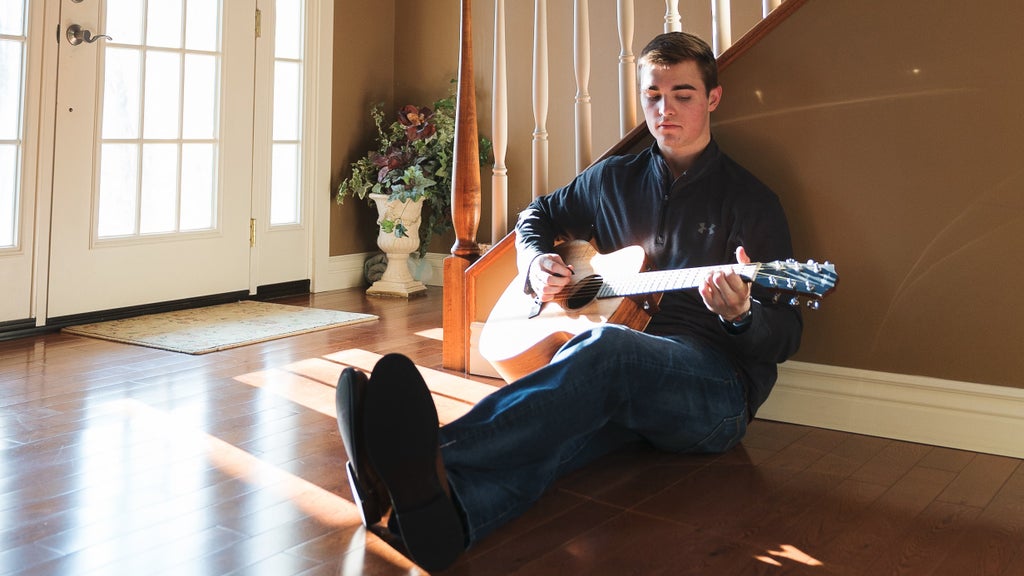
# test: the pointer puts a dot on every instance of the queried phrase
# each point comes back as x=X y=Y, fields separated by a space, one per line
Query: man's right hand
x=549 y=274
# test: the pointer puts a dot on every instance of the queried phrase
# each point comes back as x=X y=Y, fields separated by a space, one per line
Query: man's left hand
x=727 y=293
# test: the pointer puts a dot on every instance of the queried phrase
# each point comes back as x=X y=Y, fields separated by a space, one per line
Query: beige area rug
x=212 y=328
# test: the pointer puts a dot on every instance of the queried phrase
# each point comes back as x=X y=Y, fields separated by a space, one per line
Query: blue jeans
x=605 y=388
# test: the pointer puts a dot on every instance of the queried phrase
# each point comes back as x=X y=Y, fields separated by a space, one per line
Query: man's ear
x=714 y=97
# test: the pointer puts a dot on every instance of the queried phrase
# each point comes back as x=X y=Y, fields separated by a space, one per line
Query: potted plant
x=409 y=169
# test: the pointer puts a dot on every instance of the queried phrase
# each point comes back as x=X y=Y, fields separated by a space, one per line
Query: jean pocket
x=727 y=434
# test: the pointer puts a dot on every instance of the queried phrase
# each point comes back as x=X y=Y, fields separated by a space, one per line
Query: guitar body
x=516 y=343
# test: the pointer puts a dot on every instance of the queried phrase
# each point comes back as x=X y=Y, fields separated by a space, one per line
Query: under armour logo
x=706 y=228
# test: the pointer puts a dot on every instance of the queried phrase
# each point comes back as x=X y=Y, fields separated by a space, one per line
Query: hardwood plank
x=980 y=480
x=993 y=546
x=922 y=550
x=887 y=520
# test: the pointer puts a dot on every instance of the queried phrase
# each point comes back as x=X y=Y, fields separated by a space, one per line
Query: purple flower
x=417 y=122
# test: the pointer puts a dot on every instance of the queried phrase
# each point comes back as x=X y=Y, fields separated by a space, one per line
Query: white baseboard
x=962 y=415
x=342 y=272
x=347 y=271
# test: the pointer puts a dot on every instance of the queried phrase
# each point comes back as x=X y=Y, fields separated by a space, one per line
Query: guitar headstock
x=810 y=279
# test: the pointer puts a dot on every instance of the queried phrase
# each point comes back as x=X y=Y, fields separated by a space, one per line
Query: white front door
x=153 y=152
x=283 y=151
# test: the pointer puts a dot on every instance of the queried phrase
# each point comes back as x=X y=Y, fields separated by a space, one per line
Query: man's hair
x=675 y=47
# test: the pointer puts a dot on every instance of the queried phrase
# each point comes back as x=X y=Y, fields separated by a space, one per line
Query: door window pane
x=284 y=201
x=198 y=176
x=9 y=195
x=11 y=88
x=121 y=92
x=288 y=32
x=119 y=170
x=287 y=89
x=201 y=97
x=163 y=25
x=202 y=21
x=125 y=21
x=159 y=210
x=163 y=81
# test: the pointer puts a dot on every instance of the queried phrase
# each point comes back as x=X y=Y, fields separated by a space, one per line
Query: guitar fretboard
x=666 y=280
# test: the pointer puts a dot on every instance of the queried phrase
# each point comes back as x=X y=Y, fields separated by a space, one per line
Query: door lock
x=76 y=35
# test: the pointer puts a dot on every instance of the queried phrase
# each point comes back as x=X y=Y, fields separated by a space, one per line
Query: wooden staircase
x=475 y=277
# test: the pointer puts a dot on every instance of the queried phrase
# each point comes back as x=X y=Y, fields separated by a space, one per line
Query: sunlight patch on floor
x=325 y=506
x=433 y=334
x=309 y=383
x=789 y=552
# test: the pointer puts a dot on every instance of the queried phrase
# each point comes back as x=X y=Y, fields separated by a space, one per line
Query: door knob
x=76 y=35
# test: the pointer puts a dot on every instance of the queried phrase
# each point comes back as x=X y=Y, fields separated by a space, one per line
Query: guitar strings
x=592 y=286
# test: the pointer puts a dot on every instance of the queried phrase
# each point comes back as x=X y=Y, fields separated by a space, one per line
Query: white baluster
x=581 y=42
x=540 y=98
x=769 y=5
x=499 y=128
x=673 y=23
x=627 y=68
x=721 y=16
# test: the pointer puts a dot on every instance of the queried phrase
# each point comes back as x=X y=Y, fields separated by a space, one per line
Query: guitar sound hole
x=584 y=292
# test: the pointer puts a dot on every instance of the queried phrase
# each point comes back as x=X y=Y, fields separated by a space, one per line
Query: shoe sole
x=401 y=431
x=365 y=501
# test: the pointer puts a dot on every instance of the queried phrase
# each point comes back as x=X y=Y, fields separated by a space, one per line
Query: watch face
x=742 y=319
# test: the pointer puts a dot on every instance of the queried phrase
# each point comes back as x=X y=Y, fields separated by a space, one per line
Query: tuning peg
x=814 y=304
x=794 y=301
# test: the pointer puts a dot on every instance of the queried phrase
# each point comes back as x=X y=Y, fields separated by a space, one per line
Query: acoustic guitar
x=522 y=334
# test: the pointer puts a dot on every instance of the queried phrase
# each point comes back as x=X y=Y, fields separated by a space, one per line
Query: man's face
x=677 y=108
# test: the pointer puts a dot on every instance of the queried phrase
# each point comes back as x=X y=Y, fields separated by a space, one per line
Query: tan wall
x=364 y=68
x=895 y=143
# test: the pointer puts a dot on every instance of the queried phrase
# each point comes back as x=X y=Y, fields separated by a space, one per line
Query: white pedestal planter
x=397 y=281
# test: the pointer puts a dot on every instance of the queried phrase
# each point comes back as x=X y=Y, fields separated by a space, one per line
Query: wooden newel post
x=466 y=166
x=465 y=206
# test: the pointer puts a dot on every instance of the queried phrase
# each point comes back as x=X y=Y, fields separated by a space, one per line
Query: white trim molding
x=962 y=415
x=342 y=272
x=347 y=271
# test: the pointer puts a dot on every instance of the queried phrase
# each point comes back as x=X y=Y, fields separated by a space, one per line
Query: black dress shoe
x=400 y=428
x=367 y=490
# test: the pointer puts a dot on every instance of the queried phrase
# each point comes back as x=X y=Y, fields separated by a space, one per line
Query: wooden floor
x=118 y=460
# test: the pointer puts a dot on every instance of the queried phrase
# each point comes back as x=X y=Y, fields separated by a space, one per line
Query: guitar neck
x=667 y=280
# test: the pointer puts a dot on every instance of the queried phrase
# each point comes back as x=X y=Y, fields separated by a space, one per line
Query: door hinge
x=252 y=232
x=259 y=23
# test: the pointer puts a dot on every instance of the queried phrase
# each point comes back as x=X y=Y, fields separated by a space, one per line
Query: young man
x=689 y=383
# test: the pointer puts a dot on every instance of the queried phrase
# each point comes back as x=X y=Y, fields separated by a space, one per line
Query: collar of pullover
x=695 y=172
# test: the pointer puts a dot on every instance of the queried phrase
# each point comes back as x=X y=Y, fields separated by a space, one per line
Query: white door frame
x=320 y=87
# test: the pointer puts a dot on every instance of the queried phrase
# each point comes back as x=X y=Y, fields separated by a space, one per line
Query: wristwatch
x=742 y=320
x=738 y=324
